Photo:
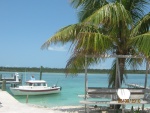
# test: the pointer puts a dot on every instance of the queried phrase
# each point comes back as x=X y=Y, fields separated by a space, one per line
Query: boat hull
x=25 y=91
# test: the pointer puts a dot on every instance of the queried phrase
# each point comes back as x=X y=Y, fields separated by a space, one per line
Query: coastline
x=58 y=101
x=11 y=105
x=81 y=109
x=62 y=70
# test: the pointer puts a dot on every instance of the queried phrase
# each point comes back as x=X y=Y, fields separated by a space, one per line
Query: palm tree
x=120 y=27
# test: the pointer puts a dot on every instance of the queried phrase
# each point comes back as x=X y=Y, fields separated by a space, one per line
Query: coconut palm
x=120 y=27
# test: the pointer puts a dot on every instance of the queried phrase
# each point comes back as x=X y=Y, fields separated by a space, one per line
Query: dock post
x=0 y=77
x=21 y=79
x=27 y=99
x=4 y=85
x=41 y=73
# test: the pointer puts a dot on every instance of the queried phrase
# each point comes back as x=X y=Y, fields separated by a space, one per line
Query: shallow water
x=72 y=86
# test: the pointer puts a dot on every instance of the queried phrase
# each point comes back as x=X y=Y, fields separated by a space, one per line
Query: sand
x=10 y=105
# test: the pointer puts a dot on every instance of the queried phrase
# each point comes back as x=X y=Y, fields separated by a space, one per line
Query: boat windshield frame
x=36 y=83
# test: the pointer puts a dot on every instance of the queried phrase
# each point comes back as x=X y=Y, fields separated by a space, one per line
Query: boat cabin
x=36 y=83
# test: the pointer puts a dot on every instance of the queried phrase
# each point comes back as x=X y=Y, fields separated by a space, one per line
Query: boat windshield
x=37 y=84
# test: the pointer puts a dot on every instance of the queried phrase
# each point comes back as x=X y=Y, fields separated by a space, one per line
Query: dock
x=11 y=82
x=14 y=79
x=10 y=105
x=135 y=86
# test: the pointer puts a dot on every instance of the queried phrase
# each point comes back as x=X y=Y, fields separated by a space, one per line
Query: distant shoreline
x=61 y=70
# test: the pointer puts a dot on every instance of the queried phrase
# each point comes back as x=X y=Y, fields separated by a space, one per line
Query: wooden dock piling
x=27 y=98
x=4 y=85
x=0 y=77
x=41 y=73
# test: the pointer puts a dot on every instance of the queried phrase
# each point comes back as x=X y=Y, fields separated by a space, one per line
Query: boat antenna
x=57 y=82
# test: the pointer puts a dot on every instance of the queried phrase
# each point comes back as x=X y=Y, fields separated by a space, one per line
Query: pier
x=14 y=80
x=14 y=77
x=135 y=86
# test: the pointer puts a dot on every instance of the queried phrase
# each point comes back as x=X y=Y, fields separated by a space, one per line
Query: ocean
x=72 y=86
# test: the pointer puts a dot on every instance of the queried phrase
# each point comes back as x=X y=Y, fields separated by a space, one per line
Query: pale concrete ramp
x=11 y=105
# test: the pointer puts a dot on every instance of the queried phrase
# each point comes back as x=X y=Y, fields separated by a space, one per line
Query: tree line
x=61 y=70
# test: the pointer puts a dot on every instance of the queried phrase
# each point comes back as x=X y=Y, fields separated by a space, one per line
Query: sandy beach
x=10 y=105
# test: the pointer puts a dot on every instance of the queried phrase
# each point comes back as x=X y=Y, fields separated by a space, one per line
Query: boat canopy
x=35 y=81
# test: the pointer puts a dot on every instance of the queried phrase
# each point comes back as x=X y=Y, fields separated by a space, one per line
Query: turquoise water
x=72 y=86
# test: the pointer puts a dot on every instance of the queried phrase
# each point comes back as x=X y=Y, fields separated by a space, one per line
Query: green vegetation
x=60 y=70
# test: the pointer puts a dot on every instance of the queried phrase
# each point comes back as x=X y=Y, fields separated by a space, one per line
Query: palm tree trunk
x=121 y=64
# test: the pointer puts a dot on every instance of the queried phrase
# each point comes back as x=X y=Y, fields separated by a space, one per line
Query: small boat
x=35 y=87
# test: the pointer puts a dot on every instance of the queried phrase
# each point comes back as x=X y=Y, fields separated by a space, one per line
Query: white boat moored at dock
x=35 y=87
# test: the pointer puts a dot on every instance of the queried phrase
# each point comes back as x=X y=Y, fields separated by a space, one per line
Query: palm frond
x=141 y=42
x=111 y=14
x=112 y=74
x=63 y=35
x=93 y=43
x=142 y=26
x=68 y=34
x=89 y=8
x=76 y=63
x=135 y=7
x=133 y=63
x=87 y=4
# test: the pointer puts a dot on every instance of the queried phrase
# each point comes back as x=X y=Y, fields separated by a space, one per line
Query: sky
x=26 y=24
x=24 y=27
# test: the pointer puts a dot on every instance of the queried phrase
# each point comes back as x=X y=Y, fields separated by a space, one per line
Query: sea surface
x=72 y=86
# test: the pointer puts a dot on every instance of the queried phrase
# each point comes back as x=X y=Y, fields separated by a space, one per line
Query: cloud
x=57 y=48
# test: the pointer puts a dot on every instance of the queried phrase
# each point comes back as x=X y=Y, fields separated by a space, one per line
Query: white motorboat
x=35 y=87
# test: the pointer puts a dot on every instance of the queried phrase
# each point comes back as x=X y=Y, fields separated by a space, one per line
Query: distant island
x=60 y=70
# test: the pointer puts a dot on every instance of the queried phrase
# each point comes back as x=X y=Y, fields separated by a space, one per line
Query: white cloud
x=57 y=48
